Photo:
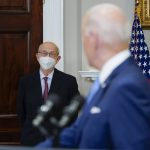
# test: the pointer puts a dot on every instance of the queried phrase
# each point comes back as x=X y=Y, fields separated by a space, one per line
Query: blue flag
x=138 y=47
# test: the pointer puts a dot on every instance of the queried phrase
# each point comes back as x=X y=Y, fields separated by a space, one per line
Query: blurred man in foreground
x=118 y=116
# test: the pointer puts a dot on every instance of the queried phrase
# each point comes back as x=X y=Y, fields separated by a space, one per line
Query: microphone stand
x=55 y=132
x=56 y=138
x=70 y=113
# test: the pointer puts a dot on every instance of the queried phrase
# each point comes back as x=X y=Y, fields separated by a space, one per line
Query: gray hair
x=111 y=29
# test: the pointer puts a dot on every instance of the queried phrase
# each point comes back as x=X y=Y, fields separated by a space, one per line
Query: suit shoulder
x=65 y=75
x=28 y=77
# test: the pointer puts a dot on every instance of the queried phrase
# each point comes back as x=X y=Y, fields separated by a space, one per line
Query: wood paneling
x=14 y=6
x=20 y=35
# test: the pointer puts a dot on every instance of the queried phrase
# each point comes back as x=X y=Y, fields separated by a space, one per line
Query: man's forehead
x=48 y=47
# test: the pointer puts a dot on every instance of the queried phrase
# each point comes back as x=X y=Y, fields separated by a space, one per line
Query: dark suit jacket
x=118 y=117
x=30 y=99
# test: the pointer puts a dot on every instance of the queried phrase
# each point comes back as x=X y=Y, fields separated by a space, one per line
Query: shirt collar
x=113 y=63
x=49 y=76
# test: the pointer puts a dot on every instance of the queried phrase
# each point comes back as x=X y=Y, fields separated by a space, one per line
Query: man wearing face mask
x=35 y=88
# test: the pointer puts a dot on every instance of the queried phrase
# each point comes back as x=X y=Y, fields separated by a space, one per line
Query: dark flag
x=138 y=47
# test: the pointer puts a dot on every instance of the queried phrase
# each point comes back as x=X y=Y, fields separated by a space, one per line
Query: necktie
x=45 y=94
x=93 y=90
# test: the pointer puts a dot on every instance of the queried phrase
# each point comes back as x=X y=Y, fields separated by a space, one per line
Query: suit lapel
x=55 y=84
x=37 y=85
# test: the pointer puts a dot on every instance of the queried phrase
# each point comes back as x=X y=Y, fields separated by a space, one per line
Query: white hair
x=102 y=20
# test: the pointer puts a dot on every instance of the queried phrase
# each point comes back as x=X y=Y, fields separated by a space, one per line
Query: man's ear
x=94 y=38
x=98 y=42
x=58 y=58
x=37 y=57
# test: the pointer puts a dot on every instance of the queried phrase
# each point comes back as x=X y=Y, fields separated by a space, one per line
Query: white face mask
x=47 y=62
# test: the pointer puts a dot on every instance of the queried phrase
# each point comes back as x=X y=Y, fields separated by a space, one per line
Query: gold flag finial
x=136 y=5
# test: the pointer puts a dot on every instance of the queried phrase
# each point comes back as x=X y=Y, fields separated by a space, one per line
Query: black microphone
x=71 y=111
x=45 y=112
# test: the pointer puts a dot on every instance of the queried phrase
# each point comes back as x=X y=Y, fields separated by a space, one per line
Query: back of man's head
x=109 y=22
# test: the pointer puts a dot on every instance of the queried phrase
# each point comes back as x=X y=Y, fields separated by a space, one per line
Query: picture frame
x=143 y=11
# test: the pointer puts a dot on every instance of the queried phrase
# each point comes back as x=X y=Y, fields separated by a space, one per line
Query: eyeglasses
x=50 y=54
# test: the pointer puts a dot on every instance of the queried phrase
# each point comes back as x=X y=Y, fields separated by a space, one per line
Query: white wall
x=53 y=25
x=147 y=37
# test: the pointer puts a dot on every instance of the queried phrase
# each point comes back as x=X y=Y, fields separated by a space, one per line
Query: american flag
x=138 y=47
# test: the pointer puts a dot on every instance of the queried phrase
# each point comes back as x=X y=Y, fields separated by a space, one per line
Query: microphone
x=70 y=112
x=45 y=112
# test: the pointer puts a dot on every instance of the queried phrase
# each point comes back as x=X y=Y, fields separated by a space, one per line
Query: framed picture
x=144 y=13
